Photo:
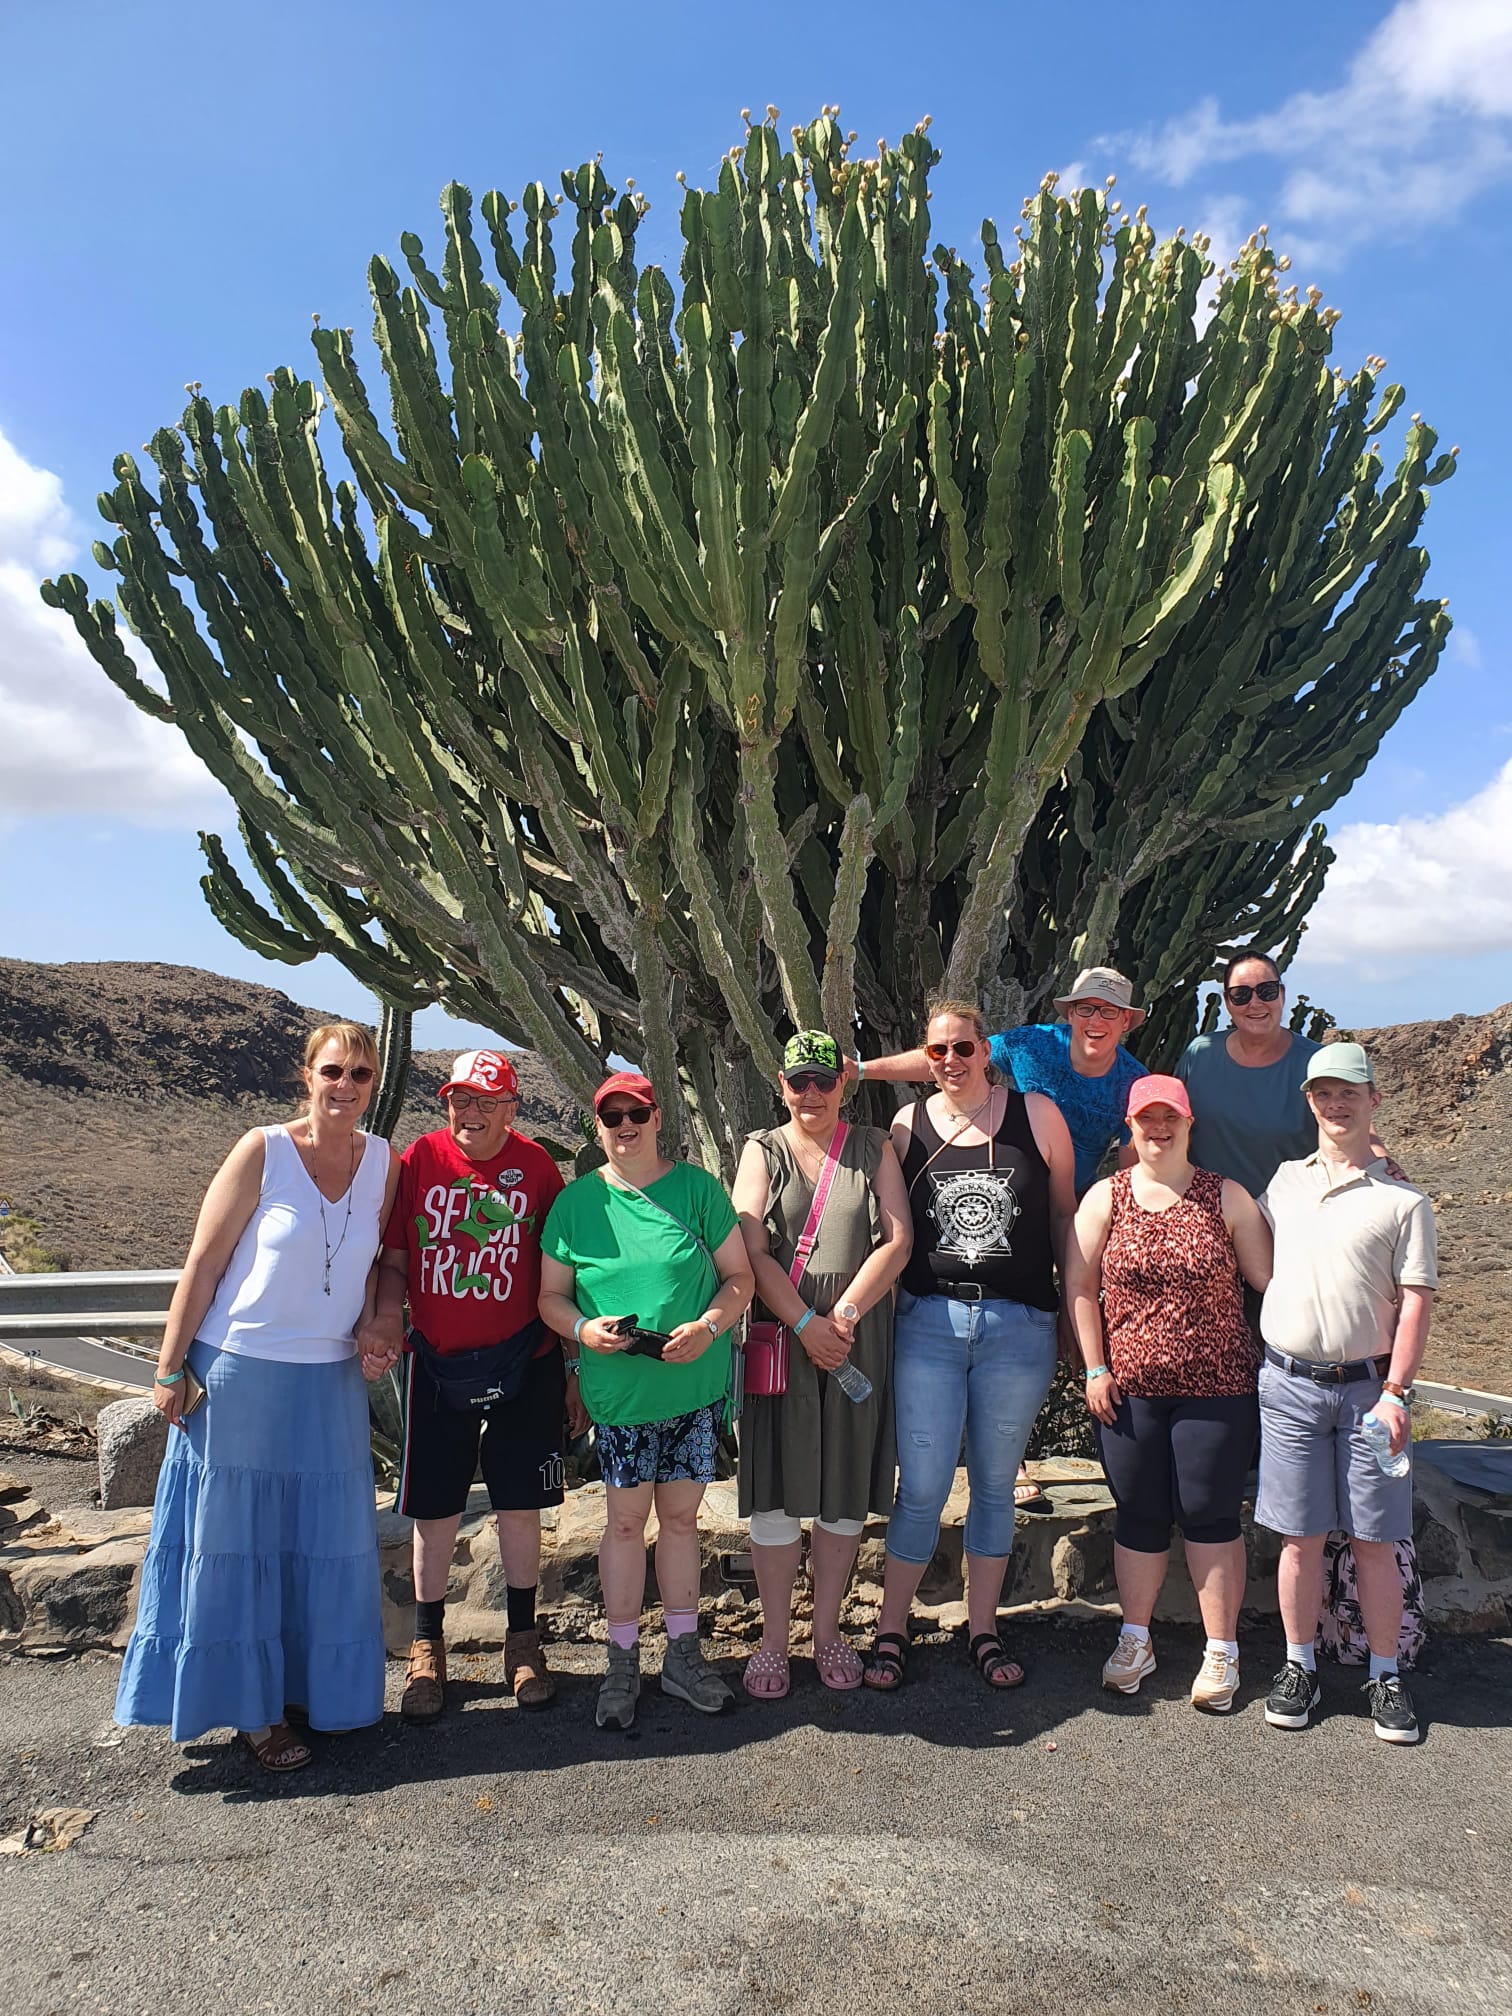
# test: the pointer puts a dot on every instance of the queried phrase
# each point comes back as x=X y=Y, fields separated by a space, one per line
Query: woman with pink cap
x=1153 y=1281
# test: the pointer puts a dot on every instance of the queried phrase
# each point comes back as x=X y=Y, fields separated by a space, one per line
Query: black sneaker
x=1391 y=1709
x=1293 y=1696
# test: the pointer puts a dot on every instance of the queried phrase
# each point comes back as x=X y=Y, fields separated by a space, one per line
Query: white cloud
x=1439 y=886
x=72 y=743
x=1421 y=124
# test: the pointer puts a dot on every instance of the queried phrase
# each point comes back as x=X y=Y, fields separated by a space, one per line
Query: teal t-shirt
x=1245 y=1122
x=629 y=1257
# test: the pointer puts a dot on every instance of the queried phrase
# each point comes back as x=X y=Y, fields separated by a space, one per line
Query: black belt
x=1331 y=1375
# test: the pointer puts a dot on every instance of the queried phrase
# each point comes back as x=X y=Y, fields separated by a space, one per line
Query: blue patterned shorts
x=680 y=1451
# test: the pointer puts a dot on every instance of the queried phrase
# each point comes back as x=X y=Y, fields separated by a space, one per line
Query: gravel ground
x=1048 y=1852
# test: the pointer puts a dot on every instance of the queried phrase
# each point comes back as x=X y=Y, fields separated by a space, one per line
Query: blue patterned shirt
x=1037 y=1058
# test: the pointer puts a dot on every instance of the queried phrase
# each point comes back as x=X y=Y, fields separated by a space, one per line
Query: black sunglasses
x=1268 y=990
x=360 y=1074
x=616 y=1116
x=818 y=1081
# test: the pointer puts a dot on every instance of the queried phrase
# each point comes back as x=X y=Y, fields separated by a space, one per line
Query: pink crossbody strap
x=809 y=1237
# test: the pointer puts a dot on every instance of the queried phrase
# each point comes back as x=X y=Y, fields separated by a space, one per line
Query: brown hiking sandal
x=525 y=1672
x=424 y=1693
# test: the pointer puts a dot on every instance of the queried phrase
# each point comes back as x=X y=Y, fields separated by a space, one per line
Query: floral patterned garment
x=1173 y=1309
x=1341 y=1625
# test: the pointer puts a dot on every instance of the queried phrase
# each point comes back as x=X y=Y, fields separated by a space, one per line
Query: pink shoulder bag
x=766 y=1345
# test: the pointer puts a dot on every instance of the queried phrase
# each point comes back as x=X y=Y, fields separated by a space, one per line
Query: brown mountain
x=123 y=1085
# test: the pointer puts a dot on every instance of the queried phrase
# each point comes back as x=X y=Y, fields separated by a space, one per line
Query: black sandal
x=886 y=1663
x=991 y=1657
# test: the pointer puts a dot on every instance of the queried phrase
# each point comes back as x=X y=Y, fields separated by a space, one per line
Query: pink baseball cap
x=485 y=1071
x=1153 y=1090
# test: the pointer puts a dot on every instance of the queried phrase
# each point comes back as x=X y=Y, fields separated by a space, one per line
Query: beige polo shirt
x=1346 y=1241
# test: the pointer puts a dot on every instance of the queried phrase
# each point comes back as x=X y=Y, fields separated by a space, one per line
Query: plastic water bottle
x=851 y=1380
x=1378 y=1435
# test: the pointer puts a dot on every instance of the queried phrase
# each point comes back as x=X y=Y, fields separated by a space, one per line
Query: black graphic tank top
x=975 y=1223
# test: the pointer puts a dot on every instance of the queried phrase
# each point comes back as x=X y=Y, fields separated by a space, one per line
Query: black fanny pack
x=468 y=1381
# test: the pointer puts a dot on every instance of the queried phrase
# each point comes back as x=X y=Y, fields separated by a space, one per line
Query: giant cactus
x=678 y=665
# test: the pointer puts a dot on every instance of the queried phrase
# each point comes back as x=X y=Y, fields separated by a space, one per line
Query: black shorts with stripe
x=519 y=1444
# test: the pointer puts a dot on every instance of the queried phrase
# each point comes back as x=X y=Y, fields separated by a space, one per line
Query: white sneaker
x=1133 y=1658
x=1216 y=1684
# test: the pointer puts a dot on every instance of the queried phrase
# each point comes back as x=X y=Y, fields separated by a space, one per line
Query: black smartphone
x=642 y=1343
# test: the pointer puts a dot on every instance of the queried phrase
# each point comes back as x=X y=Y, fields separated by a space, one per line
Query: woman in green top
x=646 y=1245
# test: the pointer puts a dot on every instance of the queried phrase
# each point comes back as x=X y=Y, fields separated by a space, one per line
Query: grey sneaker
x=621 y=1688
x=685 y=1674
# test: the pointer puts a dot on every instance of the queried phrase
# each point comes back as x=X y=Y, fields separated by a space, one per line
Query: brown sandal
x=525 y=1671
x=279 y=1750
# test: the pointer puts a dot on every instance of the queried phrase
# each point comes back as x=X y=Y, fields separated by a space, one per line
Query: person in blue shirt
x=1080 y=1063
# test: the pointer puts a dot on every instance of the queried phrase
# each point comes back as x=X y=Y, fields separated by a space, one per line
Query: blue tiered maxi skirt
x=261 y=1583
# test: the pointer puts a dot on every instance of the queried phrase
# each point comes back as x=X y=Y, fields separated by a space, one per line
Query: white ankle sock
x=1303 y=1655
x=1140 y=1633
x=1228 y=1646
x=1380 y=1667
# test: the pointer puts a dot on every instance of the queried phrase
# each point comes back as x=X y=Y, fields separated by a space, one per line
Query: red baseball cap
x=634 y=1083
x=1153 y=1090
x=486 y=1071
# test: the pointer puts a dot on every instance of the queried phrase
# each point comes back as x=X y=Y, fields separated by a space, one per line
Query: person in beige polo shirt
x=1345 y=1323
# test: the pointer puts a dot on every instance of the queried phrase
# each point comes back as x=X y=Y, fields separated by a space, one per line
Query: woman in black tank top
x=990 y=1179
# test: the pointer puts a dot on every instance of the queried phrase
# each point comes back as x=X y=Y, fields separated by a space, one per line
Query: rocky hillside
x=122 y=1086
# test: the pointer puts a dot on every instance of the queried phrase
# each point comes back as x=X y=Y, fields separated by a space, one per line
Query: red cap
x=1153 y=1090
x=632 y=1082
x=485 y=1071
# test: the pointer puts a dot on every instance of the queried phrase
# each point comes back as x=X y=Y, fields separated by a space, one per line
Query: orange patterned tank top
x=1173 y=1309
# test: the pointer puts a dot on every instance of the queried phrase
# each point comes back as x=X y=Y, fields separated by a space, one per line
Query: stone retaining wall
x=68 y=1579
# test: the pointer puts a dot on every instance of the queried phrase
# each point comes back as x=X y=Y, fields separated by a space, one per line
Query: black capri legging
x=1179 y=1462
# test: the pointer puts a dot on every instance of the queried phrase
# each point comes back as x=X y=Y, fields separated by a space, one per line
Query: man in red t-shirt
x=483 y=1378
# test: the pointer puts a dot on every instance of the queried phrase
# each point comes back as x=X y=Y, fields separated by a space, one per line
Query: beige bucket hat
x=1102 y=983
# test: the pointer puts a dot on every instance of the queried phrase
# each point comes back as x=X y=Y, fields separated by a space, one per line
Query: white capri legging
x=778 y=1529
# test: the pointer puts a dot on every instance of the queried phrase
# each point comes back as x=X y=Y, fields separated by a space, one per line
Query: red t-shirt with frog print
x=473 y=1234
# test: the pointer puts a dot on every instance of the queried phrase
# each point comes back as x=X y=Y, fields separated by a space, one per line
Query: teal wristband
x=577 y=1330
x=806 y=1317
x=1095 y=1372
x=168 y=1378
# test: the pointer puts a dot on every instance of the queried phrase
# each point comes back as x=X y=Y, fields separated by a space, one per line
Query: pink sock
x=626 y=1636
x=681 y=1622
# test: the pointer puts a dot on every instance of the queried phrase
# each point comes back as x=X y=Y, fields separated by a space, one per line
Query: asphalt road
x=1047 y=1852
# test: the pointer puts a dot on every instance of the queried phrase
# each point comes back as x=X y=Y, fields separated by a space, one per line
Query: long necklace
x=325 y=1230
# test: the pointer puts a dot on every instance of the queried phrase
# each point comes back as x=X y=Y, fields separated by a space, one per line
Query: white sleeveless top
x=271 y=1302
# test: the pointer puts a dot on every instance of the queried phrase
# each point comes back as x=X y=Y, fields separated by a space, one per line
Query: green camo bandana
x=813 y=1048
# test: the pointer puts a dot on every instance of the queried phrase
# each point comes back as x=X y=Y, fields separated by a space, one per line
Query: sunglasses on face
x=938 y=1052
x=1095 y=1011
x=468 y=1102
x=360 y=1074
x=815 y=1081
x=1267 y=990
x=616 y=1116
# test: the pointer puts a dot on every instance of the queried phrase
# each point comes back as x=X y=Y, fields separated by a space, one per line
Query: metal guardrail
x=70 y=1305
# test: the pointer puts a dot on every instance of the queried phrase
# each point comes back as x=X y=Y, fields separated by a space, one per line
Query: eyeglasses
x=1095 y=1011
x=938 y=1052
x=616 y=1116
x=815 y=1081
x=360 y=1074
x=1267 y=990
x=467 y=1102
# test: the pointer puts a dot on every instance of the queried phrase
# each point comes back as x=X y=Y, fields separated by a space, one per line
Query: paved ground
x=1050 y=1852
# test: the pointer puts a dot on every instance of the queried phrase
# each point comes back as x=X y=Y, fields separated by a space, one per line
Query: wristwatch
x=1398 y=1391
x=570 y=1366
x=713 y=1323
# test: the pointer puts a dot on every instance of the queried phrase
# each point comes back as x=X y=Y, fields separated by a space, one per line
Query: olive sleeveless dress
x=810 y=1452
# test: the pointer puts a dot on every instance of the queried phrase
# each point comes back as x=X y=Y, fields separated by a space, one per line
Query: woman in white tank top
x=260 y=1590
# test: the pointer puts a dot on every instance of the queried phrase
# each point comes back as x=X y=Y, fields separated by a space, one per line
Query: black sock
x=519 y=1607
x=430 y=1619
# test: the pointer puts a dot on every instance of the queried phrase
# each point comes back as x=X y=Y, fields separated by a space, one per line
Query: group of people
x=1255 y=1270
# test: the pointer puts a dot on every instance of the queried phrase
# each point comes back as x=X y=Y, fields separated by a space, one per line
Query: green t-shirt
x=630 y=1257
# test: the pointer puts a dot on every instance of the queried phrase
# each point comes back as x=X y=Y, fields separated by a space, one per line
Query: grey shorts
x=1317 y=1472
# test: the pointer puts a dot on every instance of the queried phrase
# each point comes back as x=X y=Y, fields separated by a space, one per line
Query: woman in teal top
x=646 y=1245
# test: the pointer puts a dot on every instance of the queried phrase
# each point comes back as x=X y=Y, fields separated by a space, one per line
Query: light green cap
x=1344 y=1061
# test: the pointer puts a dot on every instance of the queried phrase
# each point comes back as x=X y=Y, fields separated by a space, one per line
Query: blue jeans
x=984 y=1367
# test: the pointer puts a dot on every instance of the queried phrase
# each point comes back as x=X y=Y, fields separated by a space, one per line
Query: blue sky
x=186 y=184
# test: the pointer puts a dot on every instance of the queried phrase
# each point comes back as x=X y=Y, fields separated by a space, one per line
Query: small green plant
x=21 y=1242
x=1496 y=1427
